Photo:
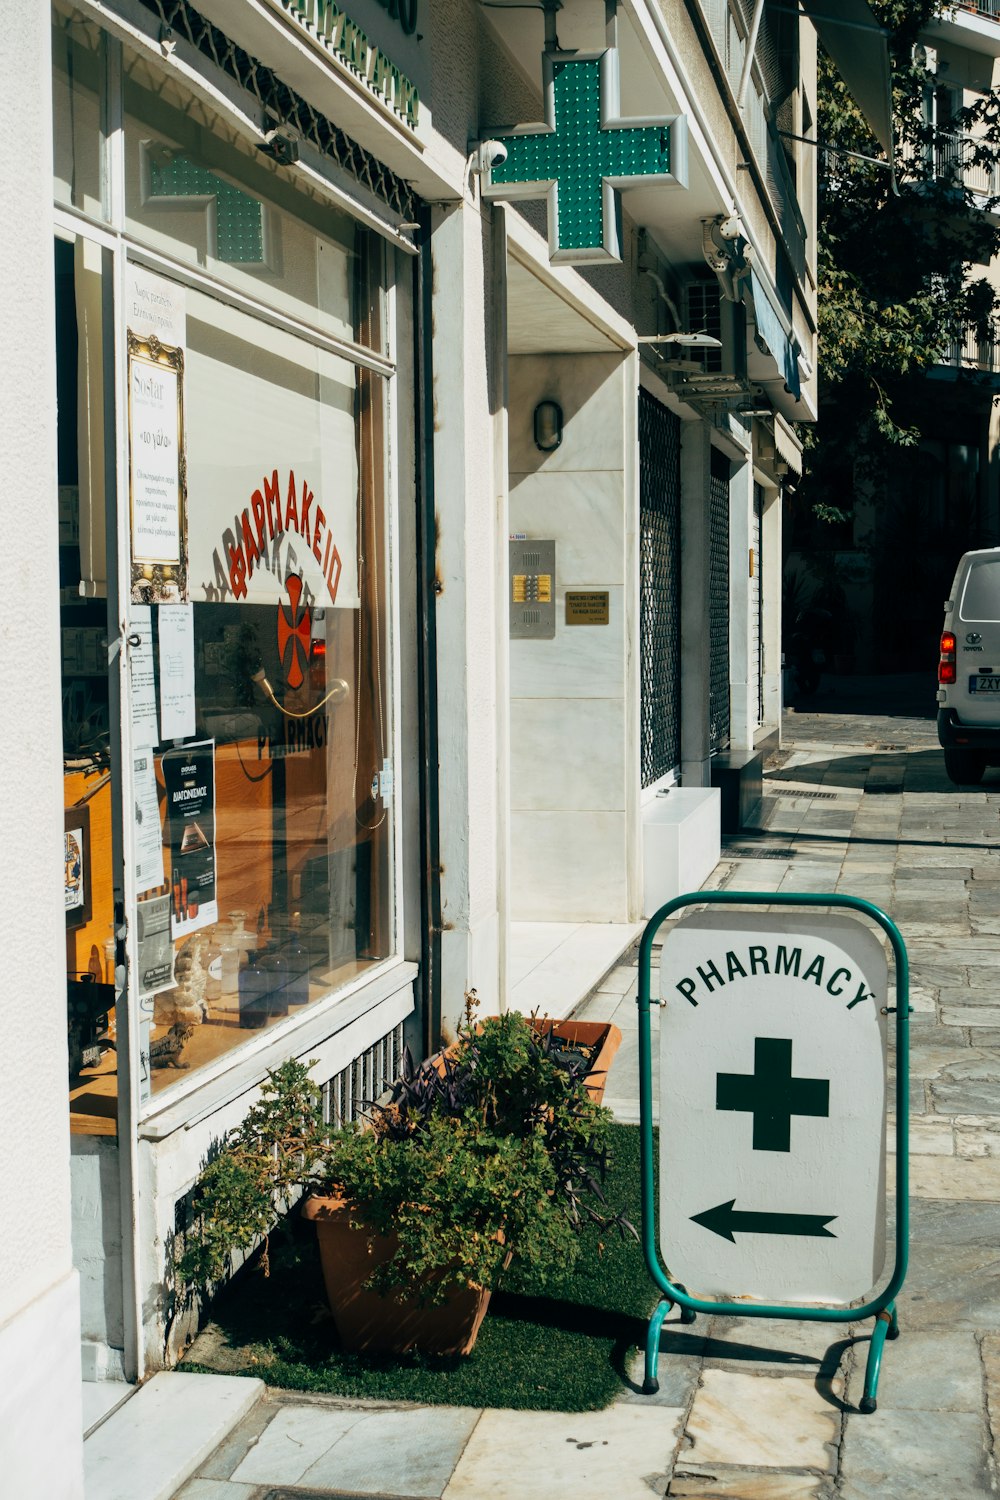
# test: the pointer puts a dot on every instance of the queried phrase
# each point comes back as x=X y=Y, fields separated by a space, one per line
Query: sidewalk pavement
x=750 y=1409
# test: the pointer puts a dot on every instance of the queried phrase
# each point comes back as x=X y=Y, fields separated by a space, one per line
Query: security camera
x=281 y=144
x=731 y=228
x=487 y=155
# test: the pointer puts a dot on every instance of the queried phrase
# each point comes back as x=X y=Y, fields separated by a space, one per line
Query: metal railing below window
x=955 y=159
x=969 y=351
x=351 y=1091
x=989 y=8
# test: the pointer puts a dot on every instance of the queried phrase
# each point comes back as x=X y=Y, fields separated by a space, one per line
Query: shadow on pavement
x=885 y=774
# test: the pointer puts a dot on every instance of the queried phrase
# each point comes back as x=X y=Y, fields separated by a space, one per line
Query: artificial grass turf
x=562 y=1348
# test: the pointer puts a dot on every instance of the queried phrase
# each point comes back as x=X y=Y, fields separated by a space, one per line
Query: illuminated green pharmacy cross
x=578 y=154
x=772 y=1095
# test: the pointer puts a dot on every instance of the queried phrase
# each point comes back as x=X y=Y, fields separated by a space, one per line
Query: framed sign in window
x=157 y=471
x=77 y=866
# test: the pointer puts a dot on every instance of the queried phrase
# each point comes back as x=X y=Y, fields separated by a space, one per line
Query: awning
x=781 y=348
x=787 y=445
x=851 y=33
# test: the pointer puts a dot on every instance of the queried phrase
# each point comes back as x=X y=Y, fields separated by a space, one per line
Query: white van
x=969 y=669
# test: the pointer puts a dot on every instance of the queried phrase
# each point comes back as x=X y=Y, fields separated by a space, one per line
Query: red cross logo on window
x=294 y=633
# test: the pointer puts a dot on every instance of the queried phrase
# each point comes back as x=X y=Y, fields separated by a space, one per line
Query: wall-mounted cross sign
x=585 y=154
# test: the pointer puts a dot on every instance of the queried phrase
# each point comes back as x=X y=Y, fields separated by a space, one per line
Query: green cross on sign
x=584 y=155
x=772 y=1095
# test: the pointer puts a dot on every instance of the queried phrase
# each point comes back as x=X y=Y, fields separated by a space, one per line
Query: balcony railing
x=954 y=158
x=968 y=351
x=990 y=8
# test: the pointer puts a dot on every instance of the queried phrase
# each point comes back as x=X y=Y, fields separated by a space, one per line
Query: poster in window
x=148 y=837
x=156 y=950
x=76 y=871
x=157 y=478
x=189 y=779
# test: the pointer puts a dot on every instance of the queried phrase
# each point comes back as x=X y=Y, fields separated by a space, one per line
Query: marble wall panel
x=568 y=867
x=567 y=754
x=583 y=661
x=590 y=390
x=584 y=512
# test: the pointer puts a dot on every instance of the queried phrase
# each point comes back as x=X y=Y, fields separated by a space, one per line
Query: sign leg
x=885 y=1325
x=650 y=1384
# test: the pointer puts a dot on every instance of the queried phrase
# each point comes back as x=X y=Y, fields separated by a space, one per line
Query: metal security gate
x=659 y=587
x=757 y=602
x=718 y=604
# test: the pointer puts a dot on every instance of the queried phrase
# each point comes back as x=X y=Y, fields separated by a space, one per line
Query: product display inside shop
x=260 y=897
x=256 y=802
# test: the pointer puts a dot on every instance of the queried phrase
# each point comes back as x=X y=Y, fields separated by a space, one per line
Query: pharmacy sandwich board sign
x=772 y=1106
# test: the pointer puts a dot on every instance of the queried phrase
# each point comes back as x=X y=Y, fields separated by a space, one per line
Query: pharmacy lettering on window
x=272 y=465
x=284 y=527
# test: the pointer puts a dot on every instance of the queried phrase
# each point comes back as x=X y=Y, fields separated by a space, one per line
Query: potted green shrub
x=491 y=1152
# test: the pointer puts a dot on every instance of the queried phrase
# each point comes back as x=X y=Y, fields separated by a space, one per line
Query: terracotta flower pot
x=600 y=1034
x=366 y=1320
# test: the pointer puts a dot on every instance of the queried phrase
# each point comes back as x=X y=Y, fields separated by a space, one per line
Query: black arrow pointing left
x=725 y=1221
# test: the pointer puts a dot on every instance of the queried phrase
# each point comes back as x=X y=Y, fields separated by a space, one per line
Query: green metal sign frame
x=882 y=1307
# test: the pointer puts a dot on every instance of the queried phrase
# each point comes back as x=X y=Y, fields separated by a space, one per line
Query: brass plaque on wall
x=589 y=608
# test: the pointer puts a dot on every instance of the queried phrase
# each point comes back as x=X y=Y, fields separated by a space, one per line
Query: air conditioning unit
x=706 y=311
x=924 y=57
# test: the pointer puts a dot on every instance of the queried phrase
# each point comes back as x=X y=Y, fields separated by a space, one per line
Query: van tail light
x=947 y=670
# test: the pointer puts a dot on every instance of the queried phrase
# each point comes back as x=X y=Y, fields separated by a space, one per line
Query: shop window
x=236 y=519
x=290 y=735
x=77 y=68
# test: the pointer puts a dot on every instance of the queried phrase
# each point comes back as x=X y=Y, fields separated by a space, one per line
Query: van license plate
x=980 y=684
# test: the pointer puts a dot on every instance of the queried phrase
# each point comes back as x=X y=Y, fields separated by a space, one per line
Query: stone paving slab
x=981 y=1098
x=410 y=1452
x=914 y=1455
x=793 y=1345
x=777 y=1421
x=954 y=1275
x=925 y=1372
x=626 y=1452
x=937 y=1177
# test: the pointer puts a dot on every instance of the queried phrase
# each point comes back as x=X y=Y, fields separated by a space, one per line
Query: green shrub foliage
x=491 y=1152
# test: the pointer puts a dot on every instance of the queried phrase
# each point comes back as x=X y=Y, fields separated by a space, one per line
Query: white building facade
x=406 y=556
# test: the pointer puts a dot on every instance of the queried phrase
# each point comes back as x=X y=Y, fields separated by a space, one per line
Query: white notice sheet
x=148 y=833
x=145 y=727
x=176 y=622
x=154 y=430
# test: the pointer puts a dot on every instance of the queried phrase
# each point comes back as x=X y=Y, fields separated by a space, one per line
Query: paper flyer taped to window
x=156 y=949
x=142 y=677
x=176 y=629
x=148 y=835
x=189 y=777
